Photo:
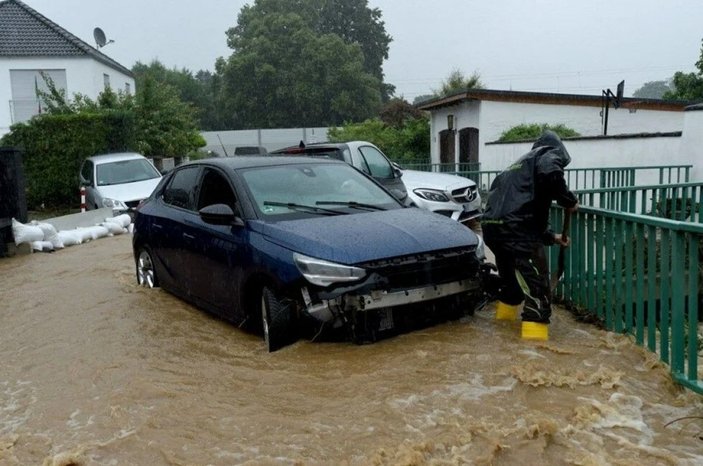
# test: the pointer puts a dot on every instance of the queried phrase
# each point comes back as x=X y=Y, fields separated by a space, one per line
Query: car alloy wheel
x=146 y=275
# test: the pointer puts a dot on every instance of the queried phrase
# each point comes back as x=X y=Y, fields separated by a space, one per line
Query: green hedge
x=54 y=146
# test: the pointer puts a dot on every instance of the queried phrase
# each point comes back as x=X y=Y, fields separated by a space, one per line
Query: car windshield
x=125 y=171
x=314 y=189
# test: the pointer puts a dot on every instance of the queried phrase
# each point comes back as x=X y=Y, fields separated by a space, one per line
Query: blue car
x=288 y=245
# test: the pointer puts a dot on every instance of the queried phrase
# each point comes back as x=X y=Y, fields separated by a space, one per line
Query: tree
x=198 y=90
x=397 y=111
x=289 y=68
x=653 y=89
x=402 y=132
x=457 y=82
x=688 y=86
x=164 y=125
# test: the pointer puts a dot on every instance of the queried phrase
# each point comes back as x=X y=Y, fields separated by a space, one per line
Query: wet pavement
x=97 y=371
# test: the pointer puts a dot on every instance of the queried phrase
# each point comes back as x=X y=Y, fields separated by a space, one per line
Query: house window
x=27 y=87
x=127 y=88
x=106 y=80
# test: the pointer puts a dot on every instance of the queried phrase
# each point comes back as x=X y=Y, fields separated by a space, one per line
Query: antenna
x=100 y=38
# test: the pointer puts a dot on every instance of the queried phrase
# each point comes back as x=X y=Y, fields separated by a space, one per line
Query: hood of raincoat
x=554 y=156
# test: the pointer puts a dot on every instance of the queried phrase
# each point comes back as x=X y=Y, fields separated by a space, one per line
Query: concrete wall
x=636 y=151
x=84 y=75
x=270 y=139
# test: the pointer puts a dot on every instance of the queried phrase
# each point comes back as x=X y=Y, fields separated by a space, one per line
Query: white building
x=31 y=47
x=465 y=126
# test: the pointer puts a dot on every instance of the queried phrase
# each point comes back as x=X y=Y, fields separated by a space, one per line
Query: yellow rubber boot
x=506 y=311
x=535 y=331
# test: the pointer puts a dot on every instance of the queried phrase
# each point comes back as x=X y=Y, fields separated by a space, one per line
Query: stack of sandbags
x=44 y=237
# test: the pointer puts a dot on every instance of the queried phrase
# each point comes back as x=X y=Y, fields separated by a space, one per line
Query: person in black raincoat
x=515 y=227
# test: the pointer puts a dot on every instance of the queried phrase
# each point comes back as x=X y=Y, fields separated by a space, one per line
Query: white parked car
x=118 y=181
x=453 y=196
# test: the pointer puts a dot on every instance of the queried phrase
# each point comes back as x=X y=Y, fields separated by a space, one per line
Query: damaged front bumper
x=337 y=307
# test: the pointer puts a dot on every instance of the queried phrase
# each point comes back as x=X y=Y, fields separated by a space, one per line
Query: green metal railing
x=682 y=201
x=588 y=178
x=640 y=275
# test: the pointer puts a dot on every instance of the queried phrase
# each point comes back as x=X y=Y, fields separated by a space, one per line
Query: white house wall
x=493 y=118
x=84 y=75
x=606 y=152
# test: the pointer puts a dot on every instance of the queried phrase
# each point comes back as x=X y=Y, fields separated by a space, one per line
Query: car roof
x=244 y=161
x=115 y=157
x=312 y=147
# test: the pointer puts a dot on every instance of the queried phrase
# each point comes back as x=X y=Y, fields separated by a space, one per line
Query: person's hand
x=574 y=208
x=561 y=241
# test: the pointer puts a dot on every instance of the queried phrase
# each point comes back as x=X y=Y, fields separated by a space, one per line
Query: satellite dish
x=99 y=36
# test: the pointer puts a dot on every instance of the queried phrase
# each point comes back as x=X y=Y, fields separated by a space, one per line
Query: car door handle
x=187 y=236
x=157 y=226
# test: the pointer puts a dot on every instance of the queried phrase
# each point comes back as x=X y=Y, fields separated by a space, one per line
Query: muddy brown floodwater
x=96 y=371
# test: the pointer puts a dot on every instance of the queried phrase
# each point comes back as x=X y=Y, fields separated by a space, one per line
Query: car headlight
x=324 y=273
x=431 y=195
x=114 y=204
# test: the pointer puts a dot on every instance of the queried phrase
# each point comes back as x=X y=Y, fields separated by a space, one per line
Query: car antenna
x=223 y=146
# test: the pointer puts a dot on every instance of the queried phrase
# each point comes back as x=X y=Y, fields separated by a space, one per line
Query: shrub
x=530 y=132
x=55 y=145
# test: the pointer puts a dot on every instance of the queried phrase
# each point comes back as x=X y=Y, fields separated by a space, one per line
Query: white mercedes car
x=453 y=196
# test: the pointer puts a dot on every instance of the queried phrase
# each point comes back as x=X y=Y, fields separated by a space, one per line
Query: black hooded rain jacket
x=517 y=209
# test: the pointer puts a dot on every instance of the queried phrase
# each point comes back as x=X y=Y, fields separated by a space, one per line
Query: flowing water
x=96 y=371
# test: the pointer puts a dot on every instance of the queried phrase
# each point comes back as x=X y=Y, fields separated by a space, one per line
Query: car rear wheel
x=276 y=320
x=146 y=274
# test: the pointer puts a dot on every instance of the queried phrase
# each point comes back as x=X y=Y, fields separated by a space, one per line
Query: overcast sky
x=562 y=46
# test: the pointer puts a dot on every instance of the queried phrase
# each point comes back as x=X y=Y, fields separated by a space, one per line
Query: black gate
x=468 y=149
x=446 y=150
x=13 y=203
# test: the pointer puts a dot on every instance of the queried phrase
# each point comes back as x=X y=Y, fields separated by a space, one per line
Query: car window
x=379 y=166
x=180 y=191
x=312 y=185
x=87 y=171
x=125 y=171
x=215 y=189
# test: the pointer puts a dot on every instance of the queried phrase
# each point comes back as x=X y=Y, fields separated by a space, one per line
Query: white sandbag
x=26 y=233
x=123 y=220
x=46 y=246
x=37 y=245
x=70 y=237
x=98 y=231
x=114 y=228
x=51 y=235
x=130 y=228
x=85 y=234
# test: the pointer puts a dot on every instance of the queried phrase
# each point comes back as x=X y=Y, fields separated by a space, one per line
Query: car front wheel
x=146 y=274
x=276 y=320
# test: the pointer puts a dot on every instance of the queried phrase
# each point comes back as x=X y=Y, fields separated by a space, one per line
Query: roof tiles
x=24 y=32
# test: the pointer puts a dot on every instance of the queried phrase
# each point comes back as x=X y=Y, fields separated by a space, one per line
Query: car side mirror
x=219 y=214
x=397 y=170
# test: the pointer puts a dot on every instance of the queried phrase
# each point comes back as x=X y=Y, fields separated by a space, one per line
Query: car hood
x=414 y=179
x=356 y=238
x=129 y=191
